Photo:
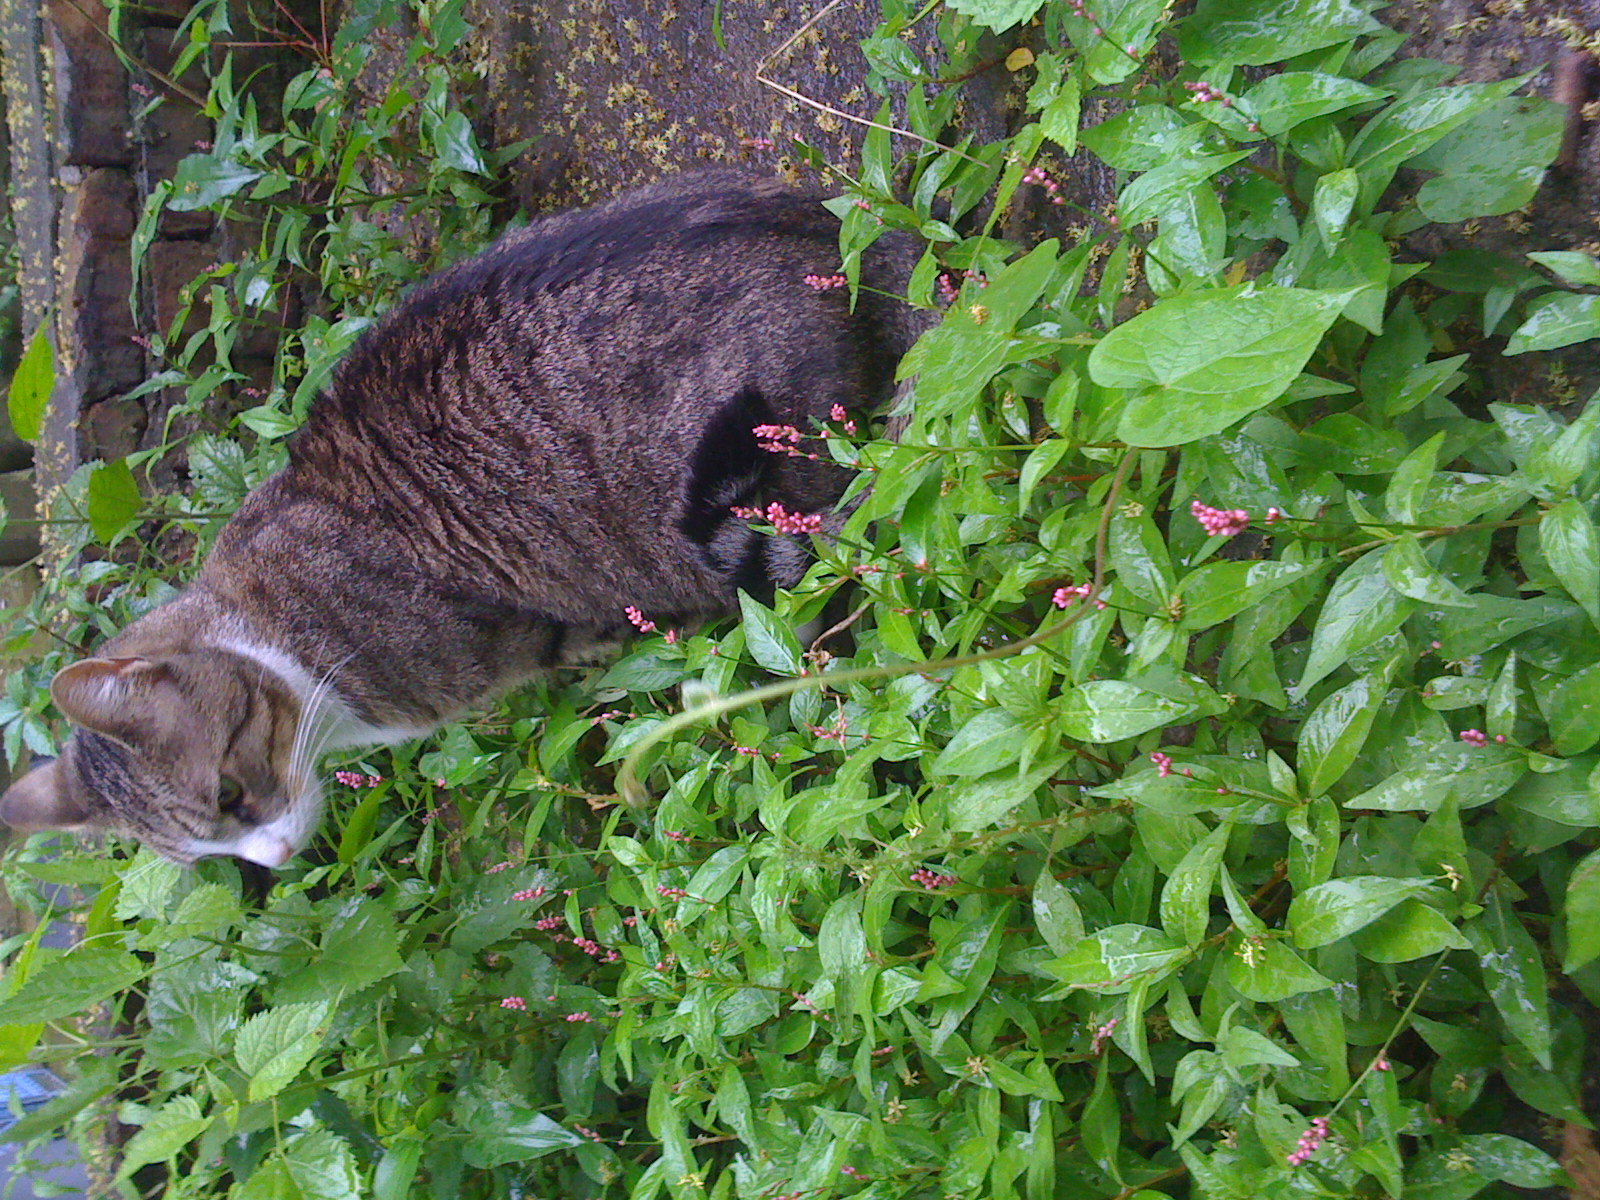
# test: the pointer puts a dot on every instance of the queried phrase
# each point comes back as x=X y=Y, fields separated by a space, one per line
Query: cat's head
x=194 y=754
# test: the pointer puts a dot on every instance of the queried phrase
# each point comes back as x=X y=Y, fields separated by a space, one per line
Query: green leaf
x=1108 y=710
x=1470 y=775
x=1407 y=570
x=1267 y=971
x=1143 y=137
x=954 y=360
x=455 y=145
x=1255 y=32
x=1557 y=319
x=1573 y=710
x=1335 y=909
x=769 y=638
x=978 y=803
x=1511 y=1160
x=1360 y=608
x=201 y=181
x=114 y=500
x=1332 y=203
x=1110 y=959
x=1155 y=191
x=1573 y=266
x=274 y=1046
x=31 y=385
x=1335 y=732
x=991 y=740
x=1221 y=590
x=1280 y=102
x=169 y=1129
x=1513 y=973
x=1055 y=913
x=998 y=15
x=1186 y=896
x=1569 y=541
x=1412 y=124
x=1582 y=912
x=1408 y=931
x=314 y=1165
x=71 y=984
x=1494 y=163
x=1207 y=359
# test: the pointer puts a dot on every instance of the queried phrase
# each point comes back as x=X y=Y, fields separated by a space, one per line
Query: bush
x=1196 y=800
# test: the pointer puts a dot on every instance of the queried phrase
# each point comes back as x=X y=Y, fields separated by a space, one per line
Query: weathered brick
x=19 y=540
x=112 y=428
x=93 y=124
x=170 y=267
x=96 y=276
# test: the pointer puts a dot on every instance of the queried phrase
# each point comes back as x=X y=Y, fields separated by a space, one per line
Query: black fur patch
x=728 y=467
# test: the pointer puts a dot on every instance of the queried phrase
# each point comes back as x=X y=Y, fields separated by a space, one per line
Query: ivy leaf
x=1208 y=359
x=1335 y=909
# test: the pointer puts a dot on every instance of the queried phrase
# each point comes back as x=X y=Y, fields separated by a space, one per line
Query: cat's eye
x=230 y=800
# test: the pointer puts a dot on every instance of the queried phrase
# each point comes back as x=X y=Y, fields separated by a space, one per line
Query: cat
x=531 y=442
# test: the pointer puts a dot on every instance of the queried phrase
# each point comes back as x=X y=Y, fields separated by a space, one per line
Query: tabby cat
x=531 y=442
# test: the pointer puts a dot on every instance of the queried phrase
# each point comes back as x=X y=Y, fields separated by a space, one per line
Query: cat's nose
x=267 y=849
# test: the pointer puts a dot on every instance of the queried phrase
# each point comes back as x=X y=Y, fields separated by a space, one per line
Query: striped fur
x=531 y=442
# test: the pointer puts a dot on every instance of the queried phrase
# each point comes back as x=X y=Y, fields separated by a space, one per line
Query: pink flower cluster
x=1163 y=763
x=636 y=619
x=932 y=880
x=1477 y=737
x=781 y=518
x=841 y=418
x=356 y=779
x=1101 y=1034
x=822 y=283
x=1309 y=1141
x=515 y=1002
x=551 y=922
x=778 y=439
x=950 y=290
x=1066 y=597
x=532 y=893
x=1041 y=177
x=1081 y=11
x=498 y=867
x=1204 y=93
x=757 y=143
x=1220 y=522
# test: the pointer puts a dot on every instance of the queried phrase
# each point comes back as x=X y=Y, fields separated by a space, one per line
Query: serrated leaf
x=1208 y=359
x=169 y=1129
x=69 y=985
x=315 y=1165
x=274 y=1046
x=998 y=15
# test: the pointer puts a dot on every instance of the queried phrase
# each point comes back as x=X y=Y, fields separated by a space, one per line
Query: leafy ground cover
x=1195 y=794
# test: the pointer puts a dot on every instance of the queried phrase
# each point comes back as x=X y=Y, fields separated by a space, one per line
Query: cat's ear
x=39 y=801
x=100 y=693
